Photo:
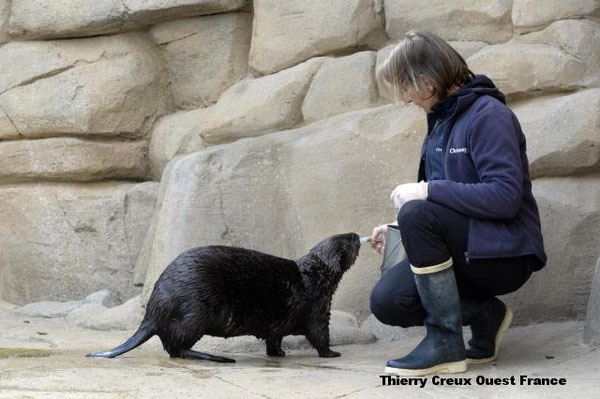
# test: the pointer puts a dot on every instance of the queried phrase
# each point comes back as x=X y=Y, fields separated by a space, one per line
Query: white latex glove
x=378 y=237
x=409 y=191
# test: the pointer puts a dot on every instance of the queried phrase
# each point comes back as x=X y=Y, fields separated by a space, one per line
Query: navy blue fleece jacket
x=474 y=159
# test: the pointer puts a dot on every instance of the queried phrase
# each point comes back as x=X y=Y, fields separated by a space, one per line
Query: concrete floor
x=57 y=368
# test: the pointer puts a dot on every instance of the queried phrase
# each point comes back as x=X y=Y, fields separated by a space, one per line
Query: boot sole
x=444 y=368
x=508 y=317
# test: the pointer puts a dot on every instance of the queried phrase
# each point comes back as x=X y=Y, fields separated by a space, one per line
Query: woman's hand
x=407 y=192
x=378 y=238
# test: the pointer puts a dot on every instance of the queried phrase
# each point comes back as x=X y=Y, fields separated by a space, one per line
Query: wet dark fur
x=228 y=291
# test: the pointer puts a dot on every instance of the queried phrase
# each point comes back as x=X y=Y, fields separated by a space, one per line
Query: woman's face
x=423 y=98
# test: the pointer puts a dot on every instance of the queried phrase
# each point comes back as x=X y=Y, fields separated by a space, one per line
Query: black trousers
x=431 y=234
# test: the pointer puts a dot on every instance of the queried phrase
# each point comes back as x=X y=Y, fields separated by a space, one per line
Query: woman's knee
x=411 y=213
x=395 y=311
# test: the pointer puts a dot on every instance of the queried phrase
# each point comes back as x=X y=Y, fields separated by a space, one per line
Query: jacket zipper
x=467 y=260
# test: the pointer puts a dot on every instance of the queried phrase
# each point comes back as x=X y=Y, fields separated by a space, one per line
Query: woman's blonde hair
x=423 y=55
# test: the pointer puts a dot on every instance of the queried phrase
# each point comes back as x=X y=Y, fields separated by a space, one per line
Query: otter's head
x=338 y=252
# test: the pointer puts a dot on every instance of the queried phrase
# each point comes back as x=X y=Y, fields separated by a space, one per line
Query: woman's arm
x=494 y=138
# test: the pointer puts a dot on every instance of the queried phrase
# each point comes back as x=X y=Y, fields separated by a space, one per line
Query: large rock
x=479 y=20
x=72 y=159
x=112 y=85
x=63 y=241
x=545 y=68
x=299 y=186
x=341 y=85
x=50 y=309
x=249 y=108
x=143 y=259
x=563 y=133
x=173 y=135
x=464 y=48
x=41 y=19
x=570 y=215
x=153 y=11
x=4 y=14
x=204 y=55
x=288 y=32
x=591 y=330
x=578 y=38
x=127 y=316
x=8 y=130
x=141 y=204
x=528 y=15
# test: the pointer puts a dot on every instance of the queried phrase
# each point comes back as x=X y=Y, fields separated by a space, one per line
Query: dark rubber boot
x=443 y=349
x=489 y=321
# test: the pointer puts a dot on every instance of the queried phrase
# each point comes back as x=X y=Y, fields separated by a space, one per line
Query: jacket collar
x=463 y=97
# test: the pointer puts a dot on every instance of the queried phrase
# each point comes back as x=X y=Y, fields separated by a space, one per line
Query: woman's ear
x=427 y=88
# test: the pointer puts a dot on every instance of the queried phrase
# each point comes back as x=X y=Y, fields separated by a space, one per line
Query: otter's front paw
x=329 y=353
x=276 y=353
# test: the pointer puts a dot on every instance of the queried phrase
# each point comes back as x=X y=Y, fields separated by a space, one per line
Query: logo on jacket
x=458 y=150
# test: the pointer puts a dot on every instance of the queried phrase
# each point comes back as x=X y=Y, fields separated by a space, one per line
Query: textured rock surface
x=570 y=214
x=578 y=38
x=478 y=20
x=66 y=18
x=294 y=185
x=4 y=14
x=173 y=135
x=84 y=313
x=545 y=68
x=249 y=108
x=143 y=259
x=72 y=159
x=141 y=205
x=286 y=33
x=563 y=133
x=81 y=110
x=467 y=49
x=341 y=85
x=49 y=309
x=127 y=316
x=204 y=55
x=63 y=241
x=591 y=331
x=112 y=85
x=549 y=350
x=531 y=14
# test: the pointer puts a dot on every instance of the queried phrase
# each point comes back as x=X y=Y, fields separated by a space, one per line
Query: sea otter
x=229 y=291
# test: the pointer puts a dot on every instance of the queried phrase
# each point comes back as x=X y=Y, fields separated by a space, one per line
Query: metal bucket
x=394 y=250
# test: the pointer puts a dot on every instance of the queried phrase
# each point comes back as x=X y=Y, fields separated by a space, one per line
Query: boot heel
x=444 y=368
x=508 y=318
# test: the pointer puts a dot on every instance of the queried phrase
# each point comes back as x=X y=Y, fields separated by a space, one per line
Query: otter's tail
x=143 y=334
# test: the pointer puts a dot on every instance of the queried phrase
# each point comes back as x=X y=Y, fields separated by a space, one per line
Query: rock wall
x=266 y=129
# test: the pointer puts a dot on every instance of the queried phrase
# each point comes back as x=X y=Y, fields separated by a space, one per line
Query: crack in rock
x=54 y=72
x=240 y=386
x=11 y=121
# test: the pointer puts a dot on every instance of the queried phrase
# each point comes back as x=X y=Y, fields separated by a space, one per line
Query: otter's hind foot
x=274 y=346
x=276 y=353
x=191 y=354
x=329 y=353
